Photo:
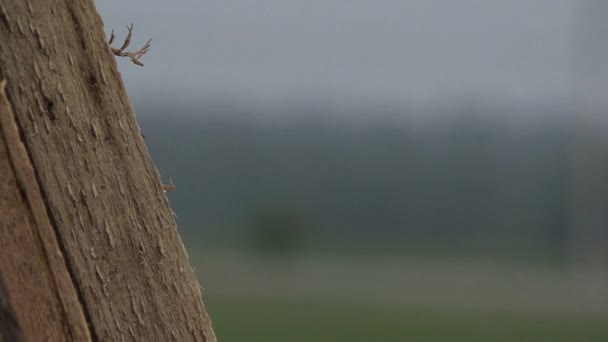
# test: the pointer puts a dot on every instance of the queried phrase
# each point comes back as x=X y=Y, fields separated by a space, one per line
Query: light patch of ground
x=473 y=284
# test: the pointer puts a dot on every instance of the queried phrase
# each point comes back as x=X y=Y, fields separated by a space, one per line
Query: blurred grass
x=273 y=319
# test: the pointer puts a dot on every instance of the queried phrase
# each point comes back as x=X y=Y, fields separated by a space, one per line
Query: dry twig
x=170 y=186
x=133 y=55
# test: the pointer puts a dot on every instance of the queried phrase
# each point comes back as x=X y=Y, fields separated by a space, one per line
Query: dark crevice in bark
x=9 y=328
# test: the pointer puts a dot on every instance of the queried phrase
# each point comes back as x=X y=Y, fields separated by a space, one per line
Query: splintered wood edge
x=63 y=286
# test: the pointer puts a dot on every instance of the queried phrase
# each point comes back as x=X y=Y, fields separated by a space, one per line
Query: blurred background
x=383 y=170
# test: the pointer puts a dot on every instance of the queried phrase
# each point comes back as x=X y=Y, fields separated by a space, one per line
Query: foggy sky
x=342 y=49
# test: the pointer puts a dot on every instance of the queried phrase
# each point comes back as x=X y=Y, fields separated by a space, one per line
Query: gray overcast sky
x=412 y=50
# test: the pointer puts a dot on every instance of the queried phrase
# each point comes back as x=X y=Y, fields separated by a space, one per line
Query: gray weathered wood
x=115 y=233
x=38 y=292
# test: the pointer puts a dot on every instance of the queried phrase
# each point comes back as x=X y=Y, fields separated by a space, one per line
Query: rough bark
x=90 y=247
x=30 y=259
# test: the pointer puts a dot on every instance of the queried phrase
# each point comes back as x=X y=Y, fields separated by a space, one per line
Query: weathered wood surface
x=101 y=194
x=36 y=289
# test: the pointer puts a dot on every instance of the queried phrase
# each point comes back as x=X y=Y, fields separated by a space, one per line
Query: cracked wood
x=101 y=193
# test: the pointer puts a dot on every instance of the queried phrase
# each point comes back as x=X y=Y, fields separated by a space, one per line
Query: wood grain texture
x=34 y=275
x=103 y=194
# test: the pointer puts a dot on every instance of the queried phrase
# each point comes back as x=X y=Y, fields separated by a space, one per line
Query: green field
x=314 y=320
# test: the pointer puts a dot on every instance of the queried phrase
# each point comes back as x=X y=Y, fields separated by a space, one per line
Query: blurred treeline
x=468 y=177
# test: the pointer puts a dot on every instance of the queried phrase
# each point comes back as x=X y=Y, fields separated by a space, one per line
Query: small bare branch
x=170 y=186
x=134 y=56
x=127 y=41
x=112 y=36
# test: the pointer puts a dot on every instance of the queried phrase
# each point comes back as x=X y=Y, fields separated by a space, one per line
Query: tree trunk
x=89 y=248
